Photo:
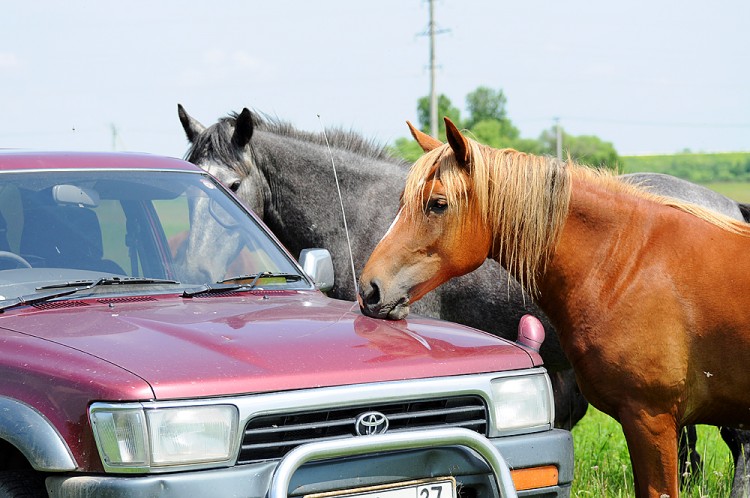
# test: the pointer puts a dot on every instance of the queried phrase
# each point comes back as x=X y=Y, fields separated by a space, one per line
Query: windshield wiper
x=211 y=289
x=73 y=286
x=39 y=297
x=290 y=277
x=90 y=284
x=226 y=285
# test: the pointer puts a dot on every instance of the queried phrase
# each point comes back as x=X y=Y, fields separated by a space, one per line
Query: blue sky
x=649 y=76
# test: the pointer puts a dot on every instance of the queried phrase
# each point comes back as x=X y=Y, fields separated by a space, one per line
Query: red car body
x=111 y=343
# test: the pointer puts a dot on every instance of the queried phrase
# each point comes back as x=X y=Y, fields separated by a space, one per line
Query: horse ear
x=243 y=128
x=458 y=143
x=423 y=139
x=191 y=126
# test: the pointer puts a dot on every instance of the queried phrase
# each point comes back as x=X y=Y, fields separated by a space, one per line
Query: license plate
x=443 y=487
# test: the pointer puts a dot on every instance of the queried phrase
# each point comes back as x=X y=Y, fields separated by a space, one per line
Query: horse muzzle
x=372 y=303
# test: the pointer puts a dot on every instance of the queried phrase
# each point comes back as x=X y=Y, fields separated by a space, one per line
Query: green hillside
x=727 y=173
x=699 y=168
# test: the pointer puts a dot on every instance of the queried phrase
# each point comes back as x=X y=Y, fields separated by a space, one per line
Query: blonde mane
x=523 y=199
x=609 y=178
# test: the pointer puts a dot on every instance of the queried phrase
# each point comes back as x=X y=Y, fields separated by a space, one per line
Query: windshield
x=66 y=226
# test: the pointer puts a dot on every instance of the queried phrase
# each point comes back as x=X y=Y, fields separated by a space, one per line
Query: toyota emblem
x=370 y=423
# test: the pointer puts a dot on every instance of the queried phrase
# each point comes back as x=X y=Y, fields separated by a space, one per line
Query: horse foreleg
x=739 y=444
x=652 y=443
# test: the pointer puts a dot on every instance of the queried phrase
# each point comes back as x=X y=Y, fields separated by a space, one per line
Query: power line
x=433 y=91
x=663 y=124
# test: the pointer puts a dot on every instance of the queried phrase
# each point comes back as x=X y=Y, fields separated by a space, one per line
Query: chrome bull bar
x=432 y=438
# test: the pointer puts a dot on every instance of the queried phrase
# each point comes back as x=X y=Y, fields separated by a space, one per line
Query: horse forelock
x=523 y=199
x=215 y=144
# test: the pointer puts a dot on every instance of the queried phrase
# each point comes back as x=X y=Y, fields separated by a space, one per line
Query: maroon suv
x=156 y=340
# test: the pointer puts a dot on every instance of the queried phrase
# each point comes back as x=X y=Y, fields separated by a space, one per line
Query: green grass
x=698 y=168
x=602 y=464
x=726 y=173
x=739 y=191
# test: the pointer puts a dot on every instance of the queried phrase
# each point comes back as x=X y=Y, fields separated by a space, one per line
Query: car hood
x=261 y=341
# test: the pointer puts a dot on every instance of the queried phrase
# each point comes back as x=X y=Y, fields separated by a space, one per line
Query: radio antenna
x=341 y=202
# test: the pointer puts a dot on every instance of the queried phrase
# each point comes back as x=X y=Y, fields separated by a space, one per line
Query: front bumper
x=477 y=464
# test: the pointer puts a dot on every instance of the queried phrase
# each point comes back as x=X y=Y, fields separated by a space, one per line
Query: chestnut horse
x=647 y=294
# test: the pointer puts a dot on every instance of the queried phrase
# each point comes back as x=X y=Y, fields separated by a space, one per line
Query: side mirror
x=318 y=264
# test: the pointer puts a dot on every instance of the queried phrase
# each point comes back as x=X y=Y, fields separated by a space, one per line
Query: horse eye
x=235 y=186
x=437 y=206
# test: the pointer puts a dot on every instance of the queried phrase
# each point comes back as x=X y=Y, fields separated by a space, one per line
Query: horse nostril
x=372 y=296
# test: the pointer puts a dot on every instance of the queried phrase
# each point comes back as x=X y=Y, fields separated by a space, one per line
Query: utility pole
x=432 y=31
x=113 y=129
x=433 y=90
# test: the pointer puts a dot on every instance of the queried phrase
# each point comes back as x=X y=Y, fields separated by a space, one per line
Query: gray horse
x=285 y=176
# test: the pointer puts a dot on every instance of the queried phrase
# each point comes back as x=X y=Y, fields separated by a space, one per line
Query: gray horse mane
x=219 y=140
x=348 y=140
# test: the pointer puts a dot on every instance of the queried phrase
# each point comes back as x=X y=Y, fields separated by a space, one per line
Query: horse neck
x=304 y=209
x=601 y=235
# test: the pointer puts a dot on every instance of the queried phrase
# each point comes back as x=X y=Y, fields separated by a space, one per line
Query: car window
x=166 y=225
x=10 y=209
x=112 y=221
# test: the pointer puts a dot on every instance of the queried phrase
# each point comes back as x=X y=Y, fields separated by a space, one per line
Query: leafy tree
x=488 y=123
x=588 y=149
x=584 y=149
x=485 y=104
x=445 y=108
x=530 y=145
x=407 y=149
x=489 y=132
x=505 y=134
x=495 y=133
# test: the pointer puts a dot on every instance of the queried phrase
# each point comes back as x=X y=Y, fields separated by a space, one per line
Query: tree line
x=488 y=123
x=697 y=168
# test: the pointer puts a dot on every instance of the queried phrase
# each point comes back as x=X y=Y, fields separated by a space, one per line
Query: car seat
x=66 y=236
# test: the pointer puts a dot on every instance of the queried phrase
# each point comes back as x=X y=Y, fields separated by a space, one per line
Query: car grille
x=272 y=436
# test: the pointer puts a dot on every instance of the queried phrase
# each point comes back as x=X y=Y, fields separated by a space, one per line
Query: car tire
x=22 y=484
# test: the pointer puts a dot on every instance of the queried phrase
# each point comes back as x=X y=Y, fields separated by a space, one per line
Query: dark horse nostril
x=372 y=295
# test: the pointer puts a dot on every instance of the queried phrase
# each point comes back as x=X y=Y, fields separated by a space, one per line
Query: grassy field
x=698 y=168
x=602 y=465
x=739 y=191
x=727 y=173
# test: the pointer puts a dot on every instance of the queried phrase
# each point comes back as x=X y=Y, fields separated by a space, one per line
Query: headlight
x=522 y=402
x=133 y=439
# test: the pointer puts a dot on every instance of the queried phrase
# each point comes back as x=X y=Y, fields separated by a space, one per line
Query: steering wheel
x=15 y=258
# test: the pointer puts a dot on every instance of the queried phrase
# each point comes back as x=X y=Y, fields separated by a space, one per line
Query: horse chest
x=616 y=360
